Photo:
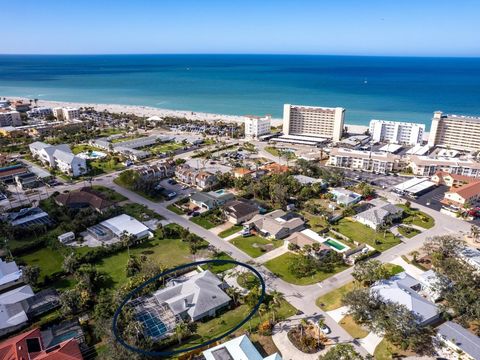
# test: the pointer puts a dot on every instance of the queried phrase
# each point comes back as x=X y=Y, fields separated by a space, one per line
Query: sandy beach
x=153 y=111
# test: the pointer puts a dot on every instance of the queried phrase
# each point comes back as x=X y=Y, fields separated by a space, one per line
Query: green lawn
x=316 y=223
x=230 y=231
x=140 y=212
x=175 y=209
x=203 y=222
x=165 y=148
x=247 y=280
x=77 y=149
x=127 y=138
x=152 y=197
x=164 y=252
x=276 y=152
x=394 y=269
x=407 y=231
x=222 y=323
x=112 y=195
x=387 y=351
x=252 y=244
x=333 y=299
x=350 y=326
x=417 y=217
x=49 y=261
x=363 y=234
x=280 y=267
x=217 y=268
x=104 y=166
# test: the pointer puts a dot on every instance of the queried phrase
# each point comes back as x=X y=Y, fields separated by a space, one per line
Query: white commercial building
x=59 y=157
x=313 y=121
x=428 y=166
x=10 y=118
x=455 y=132
x=257 y=126
x=396 y=132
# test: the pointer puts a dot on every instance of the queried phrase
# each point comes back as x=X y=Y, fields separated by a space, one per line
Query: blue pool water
x=392 y=88
x=154 y=327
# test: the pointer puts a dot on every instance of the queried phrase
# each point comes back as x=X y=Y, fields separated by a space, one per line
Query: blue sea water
x=393 y=88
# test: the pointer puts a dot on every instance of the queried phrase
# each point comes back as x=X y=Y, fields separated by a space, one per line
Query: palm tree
x=234 y=293
x=474 y=232
x=277 y=297
x=262 y=310
x=272 y=308
x=127 y=240
x=181 y=329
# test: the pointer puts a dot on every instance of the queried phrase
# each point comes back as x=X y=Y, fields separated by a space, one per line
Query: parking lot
x=432 y=198
x=387 y=181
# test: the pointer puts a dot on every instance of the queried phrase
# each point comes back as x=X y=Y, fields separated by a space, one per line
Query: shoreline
x=149 y=111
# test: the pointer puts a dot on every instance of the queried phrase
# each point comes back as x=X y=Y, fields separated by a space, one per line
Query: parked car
x=195 y=213
x=325 y=329
x=172 y=182
x=171 y=194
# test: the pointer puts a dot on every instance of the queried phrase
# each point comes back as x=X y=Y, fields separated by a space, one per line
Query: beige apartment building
x=377 y=162
x=455 y=132
x=428 y=166
x=313 y=122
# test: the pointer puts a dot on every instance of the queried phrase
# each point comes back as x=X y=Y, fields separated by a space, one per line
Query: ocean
x=391 y=88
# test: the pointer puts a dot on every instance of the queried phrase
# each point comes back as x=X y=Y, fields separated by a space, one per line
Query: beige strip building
x=378 y=162
x=428 y=166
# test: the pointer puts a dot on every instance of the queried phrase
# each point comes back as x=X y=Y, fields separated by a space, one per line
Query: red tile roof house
x=29 y=346
x=85 y=197
x=463 y=195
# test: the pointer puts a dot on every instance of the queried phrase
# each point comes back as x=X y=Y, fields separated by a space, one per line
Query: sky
x=342 y=27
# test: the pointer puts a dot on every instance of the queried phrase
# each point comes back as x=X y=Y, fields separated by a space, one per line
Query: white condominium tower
x=313 y=121
x=256 y=126
x=396 y=132
x=455 y=132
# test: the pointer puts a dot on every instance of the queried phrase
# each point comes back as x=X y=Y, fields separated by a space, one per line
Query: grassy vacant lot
x=208 y=219
x=230 y=231
x=111 y=195
x=280 y=266
x=164 y=252
x=363 y=234
x=408 y=231
x=252 y=245
x=333 y=299
x=394 y=269
x=165 y=148
x=248 y=280
x=140 y=212
x=222 y=323
x=350 y=326
x=316 y=223
x=175 y=209
x=152 y=197
x=103 y=166
x=219 y=268
x=276 y=152
x=417 y=217
x=49 y=261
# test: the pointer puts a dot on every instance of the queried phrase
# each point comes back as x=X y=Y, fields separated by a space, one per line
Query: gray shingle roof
x=461 y=337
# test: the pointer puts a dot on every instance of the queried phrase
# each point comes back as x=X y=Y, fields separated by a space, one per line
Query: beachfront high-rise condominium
x=455 y=132
x=10 y=118
x=396 y=132
x=256 y=126
x=66 y=114
x=313 y=122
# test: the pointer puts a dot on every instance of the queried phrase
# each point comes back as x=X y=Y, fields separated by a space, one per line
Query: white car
x=325 y=329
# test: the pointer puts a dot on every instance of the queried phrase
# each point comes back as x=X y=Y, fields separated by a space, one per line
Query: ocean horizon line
x=475 y=56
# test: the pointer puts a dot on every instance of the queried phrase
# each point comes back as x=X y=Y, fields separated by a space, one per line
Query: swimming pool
x=336 y=245
x=92 y=155
x=154 y=327
x=63 y=337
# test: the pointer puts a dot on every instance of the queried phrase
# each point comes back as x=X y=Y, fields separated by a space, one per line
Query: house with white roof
x=240 y=348
x=59 y=157
x=403 y=289
x=471 y=256
x=345 y=197
x=126 y=224
x=9 y=273
x=379 y=215
x=13 y=308
x=194 y=298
